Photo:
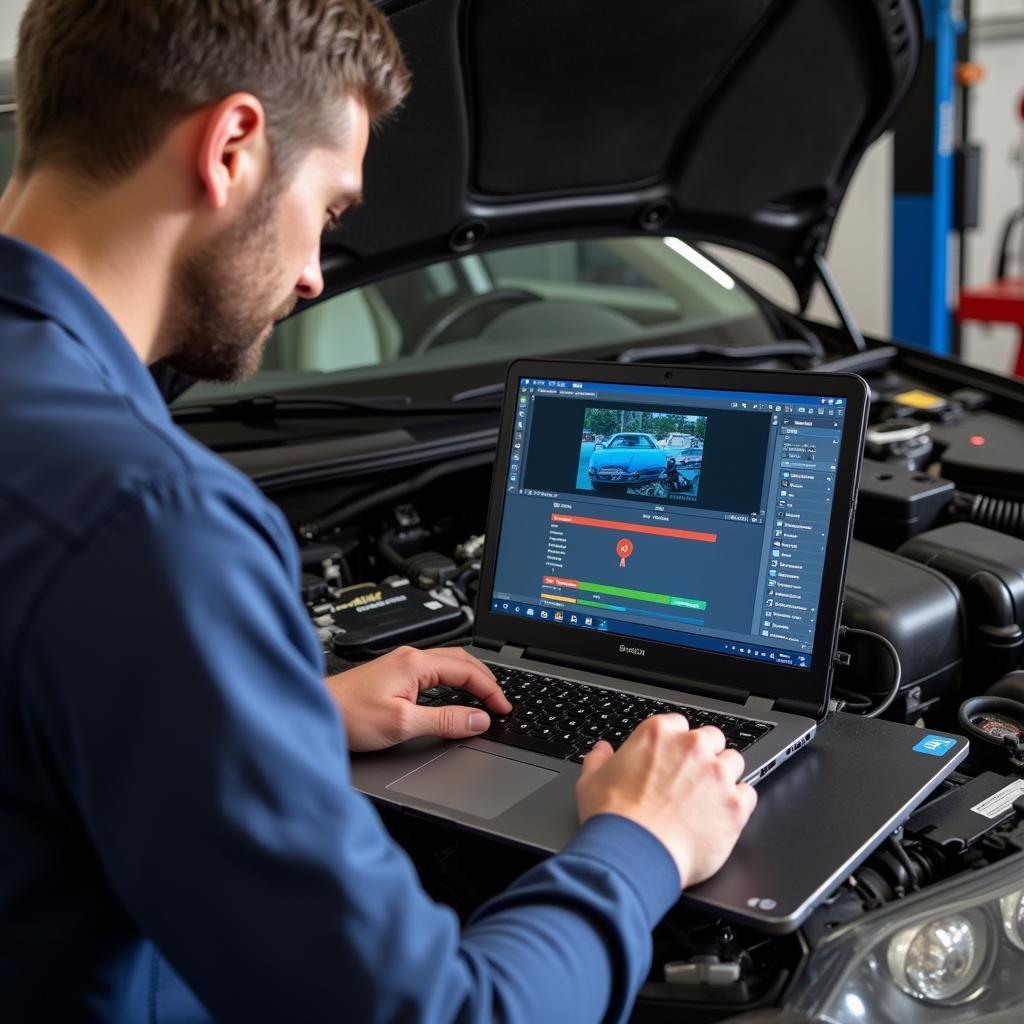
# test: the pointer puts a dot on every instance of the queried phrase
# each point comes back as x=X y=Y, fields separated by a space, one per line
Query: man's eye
x=333 y=221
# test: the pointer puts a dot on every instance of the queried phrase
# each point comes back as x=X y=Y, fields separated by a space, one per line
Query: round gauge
x=998 y=727
x=995 y=726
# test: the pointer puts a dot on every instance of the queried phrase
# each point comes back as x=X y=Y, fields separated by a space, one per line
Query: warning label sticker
x=999 y=803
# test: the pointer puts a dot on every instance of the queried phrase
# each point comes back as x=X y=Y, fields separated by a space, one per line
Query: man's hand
x=378 y=699
x=679 y=785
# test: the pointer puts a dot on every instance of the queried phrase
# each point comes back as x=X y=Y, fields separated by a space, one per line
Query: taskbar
x=600 y=624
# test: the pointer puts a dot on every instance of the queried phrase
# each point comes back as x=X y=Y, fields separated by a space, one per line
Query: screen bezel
x=805 y=690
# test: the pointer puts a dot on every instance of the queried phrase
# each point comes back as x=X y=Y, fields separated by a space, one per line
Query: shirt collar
x=34 y=281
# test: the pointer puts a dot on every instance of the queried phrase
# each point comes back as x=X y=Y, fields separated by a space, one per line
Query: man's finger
x=449 y=722
x=601 y=751
x=469 y=674
x=463 y=655
x=733 y=759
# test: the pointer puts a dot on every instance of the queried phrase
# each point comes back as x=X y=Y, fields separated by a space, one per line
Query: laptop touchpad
x=474 y=782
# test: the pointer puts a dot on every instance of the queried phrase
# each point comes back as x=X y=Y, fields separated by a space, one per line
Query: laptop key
x=746 y=736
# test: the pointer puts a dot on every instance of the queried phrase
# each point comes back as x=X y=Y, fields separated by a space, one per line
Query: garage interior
x=877 y=287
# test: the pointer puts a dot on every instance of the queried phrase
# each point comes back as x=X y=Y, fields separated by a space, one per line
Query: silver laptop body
x=751 y=520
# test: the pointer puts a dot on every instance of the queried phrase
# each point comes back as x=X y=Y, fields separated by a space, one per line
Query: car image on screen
x=628 y=458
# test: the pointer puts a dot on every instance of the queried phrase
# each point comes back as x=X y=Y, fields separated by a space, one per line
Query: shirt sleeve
x=178 y=684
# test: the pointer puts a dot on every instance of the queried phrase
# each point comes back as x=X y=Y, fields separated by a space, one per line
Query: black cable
x=897 y=666
x=907 y=864
x=1002 y=262
x=851 y=699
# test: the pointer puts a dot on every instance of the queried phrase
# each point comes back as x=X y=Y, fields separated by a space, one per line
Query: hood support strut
x=835 y=296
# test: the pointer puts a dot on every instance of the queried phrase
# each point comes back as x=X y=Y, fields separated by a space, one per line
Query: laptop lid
x=682 y=526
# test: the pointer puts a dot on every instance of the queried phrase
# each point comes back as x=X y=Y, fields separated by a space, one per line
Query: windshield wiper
x=689 y=350
x=264 y=408
x=484 y=391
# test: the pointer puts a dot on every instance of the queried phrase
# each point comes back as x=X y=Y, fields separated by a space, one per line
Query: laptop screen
x=688 y=516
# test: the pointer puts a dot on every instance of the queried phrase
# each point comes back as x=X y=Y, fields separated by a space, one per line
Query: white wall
x=10 y=15
x=860 y=251
x=995 y=123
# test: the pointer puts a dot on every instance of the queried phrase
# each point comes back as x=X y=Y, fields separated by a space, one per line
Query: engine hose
x=996 y=513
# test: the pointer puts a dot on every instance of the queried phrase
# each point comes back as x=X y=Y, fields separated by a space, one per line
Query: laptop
x=658 y=539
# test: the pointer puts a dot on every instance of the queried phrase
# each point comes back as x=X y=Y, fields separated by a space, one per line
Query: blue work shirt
x=178 y=837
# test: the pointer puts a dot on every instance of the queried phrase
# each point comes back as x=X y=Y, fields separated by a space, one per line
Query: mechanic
x=179 y=837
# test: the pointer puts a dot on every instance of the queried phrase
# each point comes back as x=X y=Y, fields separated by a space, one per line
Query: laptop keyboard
x=565 y=719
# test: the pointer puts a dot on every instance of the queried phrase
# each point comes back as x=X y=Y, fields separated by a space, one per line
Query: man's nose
x=311 y=281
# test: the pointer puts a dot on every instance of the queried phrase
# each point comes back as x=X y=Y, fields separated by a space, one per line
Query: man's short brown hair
x=99 y=83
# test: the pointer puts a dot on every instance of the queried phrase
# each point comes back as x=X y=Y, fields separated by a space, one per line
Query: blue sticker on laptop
x=937 y=746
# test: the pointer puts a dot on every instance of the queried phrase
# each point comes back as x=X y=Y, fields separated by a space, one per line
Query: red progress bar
x=557 y=581
x=610 y=524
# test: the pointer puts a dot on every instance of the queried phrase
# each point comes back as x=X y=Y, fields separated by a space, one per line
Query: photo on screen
x=641 y=453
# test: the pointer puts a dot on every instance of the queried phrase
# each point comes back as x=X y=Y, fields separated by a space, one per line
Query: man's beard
x=216 y=326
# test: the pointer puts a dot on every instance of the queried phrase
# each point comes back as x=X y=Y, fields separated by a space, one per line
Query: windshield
x=631 y=441
x=557 y=298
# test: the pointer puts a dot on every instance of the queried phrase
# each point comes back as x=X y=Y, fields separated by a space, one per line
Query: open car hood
x=733 y=121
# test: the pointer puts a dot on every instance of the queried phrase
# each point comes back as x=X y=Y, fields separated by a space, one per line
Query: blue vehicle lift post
x=923 y=189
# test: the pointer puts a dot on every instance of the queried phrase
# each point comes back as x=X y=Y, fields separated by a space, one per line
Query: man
x=179 y=838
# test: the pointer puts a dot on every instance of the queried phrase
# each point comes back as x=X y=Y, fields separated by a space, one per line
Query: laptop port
x=766 y=769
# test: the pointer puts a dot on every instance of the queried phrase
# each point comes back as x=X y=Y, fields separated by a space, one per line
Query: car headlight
x=939 y=961
x=1012 y=907
x=951 y=954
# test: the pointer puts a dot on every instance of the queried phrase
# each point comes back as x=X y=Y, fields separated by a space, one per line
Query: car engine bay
x=932 y=635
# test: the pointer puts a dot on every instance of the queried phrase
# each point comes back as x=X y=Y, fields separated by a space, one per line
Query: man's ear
x=233 y=155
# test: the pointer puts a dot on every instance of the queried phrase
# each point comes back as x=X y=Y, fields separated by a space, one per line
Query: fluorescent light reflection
x=700 y=261
x=855 y=1006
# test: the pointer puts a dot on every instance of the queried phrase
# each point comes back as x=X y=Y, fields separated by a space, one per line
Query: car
x=549 y=191
x=690 y=458
x=628 y=458
x=677 y=439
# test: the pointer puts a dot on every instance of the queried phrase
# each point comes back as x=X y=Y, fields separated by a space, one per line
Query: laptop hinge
x=755 y=703
x=807 y=708
x=486 y=644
